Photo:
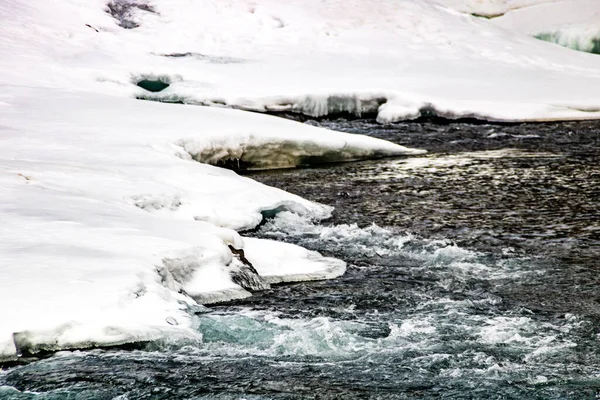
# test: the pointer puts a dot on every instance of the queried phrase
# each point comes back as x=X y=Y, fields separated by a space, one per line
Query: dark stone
x=123 y=12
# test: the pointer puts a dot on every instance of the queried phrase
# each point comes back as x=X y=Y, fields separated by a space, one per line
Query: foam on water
x=428 y=324
x=442 y=256
x=465 y=338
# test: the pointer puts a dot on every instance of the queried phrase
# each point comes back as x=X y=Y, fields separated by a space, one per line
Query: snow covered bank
x=570 y=23
x=397 y=58
x=111 y=232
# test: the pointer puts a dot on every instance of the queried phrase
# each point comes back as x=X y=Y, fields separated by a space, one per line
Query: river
x=473 y=272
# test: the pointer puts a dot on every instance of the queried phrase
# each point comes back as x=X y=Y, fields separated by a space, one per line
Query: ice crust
x=283 y=262
x=111 y=231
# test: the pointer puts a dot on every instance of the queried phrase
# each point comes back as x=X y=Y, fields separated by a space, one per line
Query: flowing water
x=473 y=273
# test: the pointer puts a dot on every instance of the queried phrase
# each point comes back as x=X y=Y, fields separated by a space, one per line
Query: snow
x=570 y=23
x=112 y=231
x=283 y=262
x=396 y=58
x=491 y=8
x=409 y=56
x=201 y=276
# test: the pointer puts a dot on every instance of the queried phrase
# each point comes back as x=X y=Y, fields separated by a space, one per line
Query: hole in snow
x=124 y=12
x=487 y=16
x=271 y=213
x=278 y=22
x=153 y=85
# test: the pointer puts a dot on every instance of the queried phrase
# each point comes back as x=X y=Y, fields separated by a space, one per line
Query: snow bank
x=111 y=231
x=569 y=23
x=284 y=144
x=397 y=58
x=411 y=59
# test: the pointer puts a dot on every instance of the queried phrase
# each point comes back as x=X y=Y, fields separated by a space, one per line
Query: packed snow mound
x=570 y=23
x=398 y=59
x=261 y=151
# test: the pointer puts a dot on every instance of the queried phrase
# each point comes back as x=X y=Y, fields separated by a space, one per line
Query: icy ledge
x=388 y=107
x=207 y=281
x=276 y=262
x=112 y=234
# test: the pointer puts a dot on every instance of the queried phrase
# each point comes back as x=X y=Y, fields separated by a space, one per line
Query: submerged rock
x=244 y=274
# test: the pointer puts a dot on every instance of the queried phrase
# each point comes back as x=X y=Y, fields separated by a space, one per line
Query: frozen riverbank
x=112 y=231
x=479 y=279
x=111 y=228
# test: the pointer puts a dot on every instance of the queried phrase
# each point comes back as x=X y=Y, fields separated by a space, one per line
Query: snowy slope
x=570 y=23
x=397 y=58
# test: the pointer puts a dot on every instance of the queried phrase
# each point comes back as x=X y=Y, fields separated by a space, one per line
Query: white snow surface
x=570 y=23
x=282 y=262
x=396 y=58
x=106 y=218
x=491 y=8
x=110 y=228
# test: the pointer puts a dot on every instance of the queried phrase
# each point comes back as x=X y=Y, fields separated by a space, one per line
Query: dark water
x=473 y=273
